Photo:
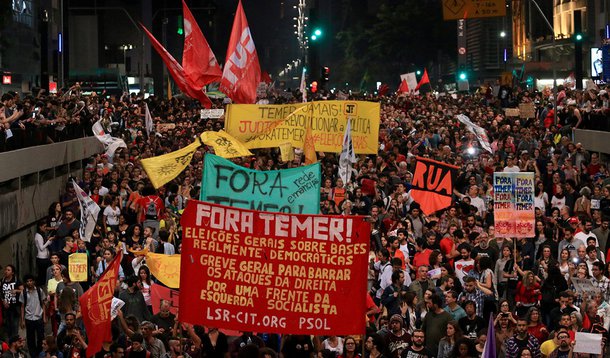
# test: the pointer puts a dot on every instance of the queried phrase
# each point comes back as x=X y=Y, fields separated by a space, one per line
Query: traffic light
x=316 y=34
x=325 y=73
x=578 y=37
x=314 y=87
x=180 y=29
x=463 y=76
x=418 y=72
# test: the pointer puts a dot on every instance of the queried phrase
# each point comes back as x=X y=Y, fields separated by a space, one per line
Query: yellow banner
x=166 y=268
x=225 y=145
x=287 y=152
x=164 y=168
x=77 y=267
x=268 y=126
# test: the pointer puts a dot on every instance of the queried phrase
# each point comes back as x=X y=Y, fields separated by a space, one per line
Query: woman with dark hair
x=551 y=286
x=464 y=348
x=67 y=302
x=42 y=242
x=446 y=344
x=487 y=279
x=535 y=327
x=55 y=216
x=145 y=284
x=545 y=261
x=349 y=348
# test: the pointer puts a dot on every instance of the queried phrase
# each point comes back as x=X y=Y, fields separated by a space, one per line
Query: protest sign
x=434 y=194
x=115 y=306
x=158 y=293
x=511 y=112
x=164 y=127
x=273 y=272
x=588 y=343
x=295 y=190
x=77 y=267
x=584 y=286
x=268 y=126
x=212 y=113
x=527 y=110
x=514 y=214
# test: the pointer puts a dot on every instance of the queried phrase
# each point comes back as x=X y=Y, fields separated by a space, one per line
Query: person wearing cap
x=398 y=339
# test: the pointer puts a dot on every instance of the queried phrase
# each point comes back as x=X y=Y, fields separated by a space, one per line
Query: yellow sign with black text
x=269 y=126
x=472 y=9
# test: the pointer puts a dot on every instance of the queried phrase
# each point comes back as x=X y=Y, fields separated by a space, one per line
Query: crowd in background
x=434 y=280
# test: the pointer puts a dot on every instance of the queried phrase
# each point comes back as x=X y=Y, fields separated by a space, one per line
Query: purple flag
x=489 y=351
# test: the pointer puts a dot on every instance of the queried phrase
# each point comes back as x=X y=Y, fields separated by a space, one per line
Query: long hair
x=147 y=271
x=67 y=300
x=528 y=279
x=458 y=331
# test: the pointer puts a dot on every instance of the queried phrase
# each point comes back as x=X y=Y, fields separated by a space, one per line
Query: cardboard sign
x=511 y=112
x=212 y=113
x=514 y=212
x=588 y=343
x=527 y=110
x=77 y=267
x=273 y=272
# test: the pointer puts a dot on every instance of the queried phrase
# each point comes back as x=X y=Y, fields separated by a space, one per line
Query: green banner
x=295 y=190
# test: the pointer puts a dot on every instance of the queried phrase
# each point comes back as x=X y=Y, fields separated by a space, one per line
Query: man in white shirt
x=477 y=201
x=511 y=167
x=586 y=232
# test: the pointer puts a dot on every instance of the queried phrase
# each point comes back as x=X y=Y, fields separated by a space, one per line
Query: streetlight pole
x=554 y=59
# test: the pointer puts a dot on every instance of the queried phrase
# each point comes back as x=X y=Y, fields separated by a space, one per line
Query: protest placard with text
x=273 y=272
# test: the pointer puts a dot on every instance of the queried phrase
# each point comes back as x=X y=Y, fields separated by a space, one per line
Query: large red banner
x=273 y=272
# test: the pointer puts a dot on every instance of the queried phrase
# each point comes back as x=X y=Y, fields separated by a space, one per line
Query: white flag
x=89 y=212
x=111 y=144
x=347 y=157
x=148 y=120
x=303 y=87
x=479 y=132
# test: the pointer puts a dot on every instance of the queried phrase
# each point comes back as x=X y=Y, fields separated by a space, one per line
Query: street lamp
x=125 y=48
x=503 y=34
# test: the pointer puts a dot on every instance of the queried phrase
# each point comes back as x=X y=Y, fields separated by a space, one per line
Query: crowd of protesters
x=434 y=280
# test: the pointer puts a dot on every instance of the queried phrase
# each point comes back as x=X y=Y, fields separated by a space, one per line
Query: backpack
x=25 y=297
x=151 y=210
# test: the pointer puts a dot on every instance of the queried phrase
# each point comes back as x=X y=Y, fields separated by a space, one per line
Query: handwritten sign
x=584 y=286
x=511 y=112
x=527 y=110
x=295 y=190
x=212 y=113
x=588 y=343
x=268 y=126
x=164 y=127
x=77 y=267
x=514 y=214
x=273 y=272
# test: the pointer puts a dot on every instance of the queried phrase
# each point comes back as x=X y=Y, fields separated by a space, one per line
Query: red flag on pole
x=198 y=60
x=177 y=72
x=95 y=307
x=241 y=74
x=383 y=89
x=404 y=87
x=266 y=78
x=424 y=80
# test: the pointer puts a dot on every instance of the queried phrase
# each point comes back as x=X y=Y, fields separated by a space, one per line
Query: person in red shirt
x=422 y=256
x=150 y=209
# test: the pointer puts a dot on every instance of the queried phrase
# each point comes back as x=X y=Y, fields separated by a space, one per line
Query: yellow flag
x=225 y=145
x=166 y=167
x=287 y=152
x=166 y=268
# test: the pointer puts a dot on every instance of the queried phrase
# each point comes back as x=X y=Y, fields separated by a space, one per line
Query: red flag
x=177 y=72
x=242 y=72
x=383 y=89
x=198 y=60
x=266 y=78
x=424 y=80
x=404 y=87
x=432 y=184
x=95 y=307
